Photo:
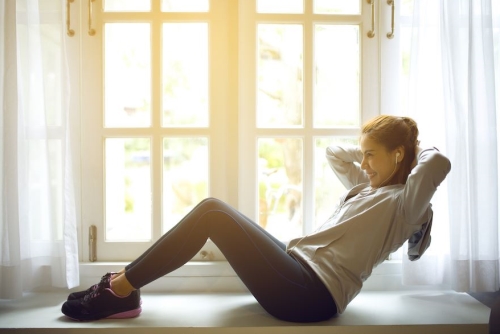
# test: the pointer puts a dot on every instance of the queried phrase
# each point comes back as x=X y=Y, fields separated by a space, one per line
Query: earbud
x=397 y=156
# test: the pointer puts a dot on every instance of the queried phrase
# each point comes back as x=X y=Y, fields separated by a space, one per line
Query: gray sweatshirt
x=371 y=224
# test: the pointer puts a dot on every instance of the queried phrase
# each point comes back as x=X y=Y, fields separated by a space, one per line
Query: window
x=232 y=99
x=305 y=92
x=156 y=91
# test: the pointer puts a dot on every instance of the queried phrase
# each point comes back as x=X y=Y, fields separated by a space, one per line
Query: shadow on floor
x=492 y=300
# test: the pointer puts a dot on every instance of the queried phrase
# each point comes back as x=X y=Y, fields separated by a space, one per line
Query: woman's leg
x=282 y=285
x=167 y=234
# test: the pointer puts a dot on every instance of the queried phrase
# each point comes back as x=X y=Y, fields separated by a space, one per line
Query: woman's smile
x=378 y=163
x=371 y=175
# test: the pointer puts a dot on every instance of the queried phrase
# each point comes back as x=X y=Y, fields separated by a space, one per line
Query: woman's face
x=378 y=163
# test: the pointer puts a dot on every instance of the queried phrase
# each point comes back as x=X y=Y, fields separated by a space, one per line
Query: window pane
x=185 y=177
x=185 y=74
x=337 y=7
x=280 y=186
x=127 y=5
x=128 y=189
x=184 y=5
x=327 y=187
x=280 y=6
x=336 y=82
x=127 y=75
x=280 y=72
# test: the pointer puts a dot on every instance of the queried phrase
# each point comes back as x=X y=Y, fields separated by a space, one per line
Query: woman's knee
x=212 y=203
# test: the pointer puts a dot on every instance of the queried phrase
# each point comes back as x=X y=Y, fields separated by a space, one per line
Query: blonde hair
x=393 y=132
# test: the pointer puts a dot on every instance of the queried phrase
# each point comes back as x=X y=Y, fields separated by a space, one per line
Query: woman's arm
x=345 y=163
x=431 y=168
x=418 y=149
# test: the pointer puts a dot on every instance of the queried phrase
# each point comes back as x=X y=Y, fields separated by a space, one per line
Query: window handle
x=371 y=33
x=70 y=32
x=390 y=34
x=91 y=7
x=92 y=243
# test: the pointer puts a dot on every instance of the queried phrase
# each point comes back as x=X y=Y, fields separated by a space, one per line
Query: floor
x=371 y=312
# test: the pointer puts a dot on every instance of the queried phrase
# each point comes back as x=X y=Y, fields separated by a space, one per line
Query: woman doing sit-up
x=391 y=181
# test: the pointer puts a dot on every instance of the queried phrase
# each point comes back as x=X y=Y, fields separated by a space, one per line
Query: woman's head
x=388 y=144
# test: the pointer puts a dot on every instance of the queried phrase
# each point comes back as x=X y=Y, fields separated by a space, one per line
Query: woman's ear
x=400 y=154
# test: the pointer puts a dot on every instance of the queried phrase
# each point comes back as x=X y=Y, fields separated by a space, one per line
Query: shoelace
x=97 y=288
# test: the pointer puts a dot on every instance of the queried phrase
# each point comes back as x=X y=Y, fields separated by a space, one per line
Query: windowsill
x=371 y=312
x=218 y=276
x=208 y=297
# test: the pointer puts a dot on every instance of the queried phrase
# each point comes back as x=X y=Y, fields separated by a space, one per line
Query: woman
x=391 y=182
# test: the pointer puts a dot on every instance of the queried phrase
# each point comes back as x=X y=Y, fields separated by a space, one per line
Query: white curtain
x=38 y=212
x=453 y=96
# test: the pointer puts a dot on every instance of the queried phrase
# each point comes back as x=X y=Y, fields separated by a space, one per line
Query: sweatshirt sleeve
x=431 y=169
x=345 y=162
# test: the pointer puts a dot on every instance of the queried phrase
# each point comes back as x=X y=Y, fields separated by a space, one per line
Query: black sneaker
x=81 y=294
x=102 y=303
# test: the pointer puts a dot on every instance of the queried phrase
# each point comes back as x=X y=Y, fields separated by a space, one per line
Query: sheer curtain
x=38 y=221
x=452 y=95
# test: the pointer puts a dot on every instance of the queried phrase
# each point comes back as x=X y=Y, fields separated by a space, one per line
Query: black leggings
x=286 y=288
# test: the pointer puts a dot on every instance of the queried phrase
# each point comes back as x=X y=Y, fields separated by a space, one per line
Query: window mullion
x=156 y=108
x=246 y=109
x=370 y=69
x=308 y=138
